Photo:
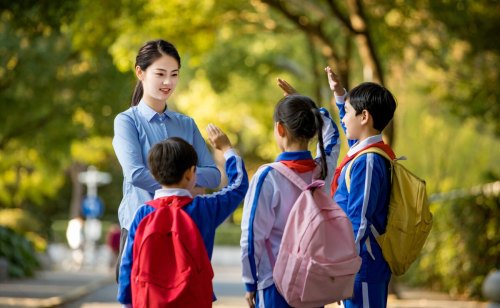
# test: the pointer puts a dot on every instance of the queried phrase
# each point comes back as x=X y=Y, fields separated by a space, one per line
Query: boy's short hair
x=376 y=99
x=170 y=158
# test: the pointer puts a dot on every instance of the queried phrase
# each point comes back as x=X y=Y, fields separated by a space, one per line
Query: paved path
x=93 y=286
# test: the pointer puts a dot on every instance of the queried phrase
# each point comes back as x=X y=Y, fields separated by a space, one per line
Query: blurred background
x=66 y=70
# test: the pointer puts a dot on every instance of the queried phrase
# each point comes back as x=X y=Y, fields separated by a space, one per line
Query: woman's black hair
x=170 y=158
x=149 y=53
x=302 y=118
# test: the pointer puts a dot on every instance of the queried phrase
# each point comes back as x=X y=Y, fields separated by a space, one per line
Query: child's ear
x=190 y=173
x=280 y=128
x=365 y=116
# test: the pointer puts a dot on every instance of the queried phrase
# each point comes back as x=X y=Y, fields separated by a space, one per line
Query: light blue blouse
x=137 y=129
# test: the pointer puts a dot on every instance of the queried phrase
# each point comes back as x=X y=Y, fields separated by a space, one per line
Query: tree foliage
x=51 y=96
x=66 y=70
x=459 y=261
x=452 y=46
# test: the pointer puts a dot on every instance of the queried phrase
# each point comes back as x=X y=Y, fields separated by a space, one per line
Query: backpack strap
x=374 y=149
x=345 y=161
x=294 y=178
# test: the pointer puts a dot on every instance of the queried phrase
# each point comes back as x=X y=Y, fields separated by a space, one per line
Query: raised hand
x=334 y=82
x=218 y=138
x=286 y=87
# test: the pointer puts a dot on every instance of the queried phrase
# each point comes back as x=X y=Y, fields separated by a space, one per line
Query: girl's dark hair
x=170 y=158
x=149 y=53
x=376 y=99
x=300 y=115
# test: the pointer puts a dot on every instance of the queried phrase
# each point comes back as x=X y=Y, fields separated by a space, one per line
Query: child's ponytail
x=319 y=125
x=303 y=120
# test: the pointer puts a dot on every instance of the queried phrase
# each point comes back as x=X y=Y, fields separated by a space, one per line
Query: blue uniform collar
x=363 y=144
x=299 y=155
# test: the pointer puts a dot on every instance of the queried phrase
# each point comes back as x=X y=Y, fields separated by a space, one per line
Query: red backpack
x=171 y=266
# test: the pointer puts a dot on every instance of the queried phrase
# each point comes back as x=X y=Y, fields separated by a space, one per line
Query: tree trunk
x=357 y=26
x=77 y=189
x=372 y=70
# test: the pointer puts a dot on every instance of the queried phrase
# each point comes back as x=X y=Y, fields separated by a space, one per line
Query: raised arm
x=227 y=200
x=207 y=173
x=340 y=93
x=331 y=141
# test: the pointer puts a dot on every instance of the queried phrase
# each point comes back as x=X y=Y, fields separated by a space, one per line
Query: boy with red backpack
x=365 y=111
x=166 y=261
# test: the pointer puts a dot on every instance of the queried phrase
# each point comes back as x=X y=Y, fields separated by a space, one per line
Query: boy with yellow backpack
x=386 y=203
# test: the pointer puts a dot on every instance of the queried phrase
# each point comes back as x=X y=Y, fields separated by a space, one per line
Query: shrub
x=463 y=247
x=19 y=252
x=22 y=222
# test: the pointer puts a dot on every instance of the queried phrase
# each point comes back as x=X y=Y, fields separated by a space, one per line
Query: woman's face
x=159 y=79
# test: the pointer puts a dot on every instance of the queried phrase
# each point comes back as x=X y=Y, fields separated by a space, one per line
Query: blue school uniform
x=267 y=206
x=207 y=212
x=366 y=205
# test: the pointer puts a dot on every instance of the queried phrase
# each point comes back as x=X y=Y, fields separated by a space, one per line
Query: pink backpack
x=317 y=261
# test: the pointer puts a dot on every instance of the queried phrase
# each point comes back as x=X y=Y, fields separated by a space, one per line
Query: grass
x=228 y=234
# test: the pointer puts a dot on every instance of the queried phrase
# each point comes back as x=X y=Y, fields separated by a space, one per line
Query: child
x=271 y=196
x=76 y=240
x=173 y=164
x=364 y=113
x=149 y=121
x=113 y=243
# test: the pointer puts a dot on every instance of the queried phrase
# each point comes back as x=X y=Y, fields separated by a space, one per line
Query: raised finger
x=211 y=129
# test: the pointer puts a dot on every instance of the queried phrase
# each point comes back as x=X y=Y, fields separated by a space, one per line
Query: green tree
x=452 y=45
x=52 y=96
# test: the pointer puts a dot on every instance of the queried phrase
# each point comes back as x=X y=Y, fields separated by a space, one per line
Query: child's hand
x=334 y=81
x=250 y=298
x=217 y=138
x=286 y=87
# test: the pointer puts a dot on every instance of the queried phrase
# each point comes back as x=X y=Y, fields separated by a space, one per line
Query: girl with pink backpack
x=271 y=195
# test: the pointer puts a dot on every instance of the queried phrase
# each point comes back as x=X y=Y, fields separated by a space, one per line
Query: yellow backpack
x=409 y=219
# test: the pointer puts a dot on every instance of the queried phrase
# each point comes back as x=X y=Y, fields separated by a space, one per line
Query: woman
x=149 y=121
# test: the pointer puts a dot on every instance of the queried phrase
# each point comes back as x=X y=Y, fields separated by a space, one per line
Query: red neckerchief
x=177 y=201
x=386 y=148
x=300 y=166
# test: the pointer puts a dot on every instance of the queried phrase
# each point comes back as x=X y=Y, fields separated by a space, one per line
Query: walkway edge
x=55 y=300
